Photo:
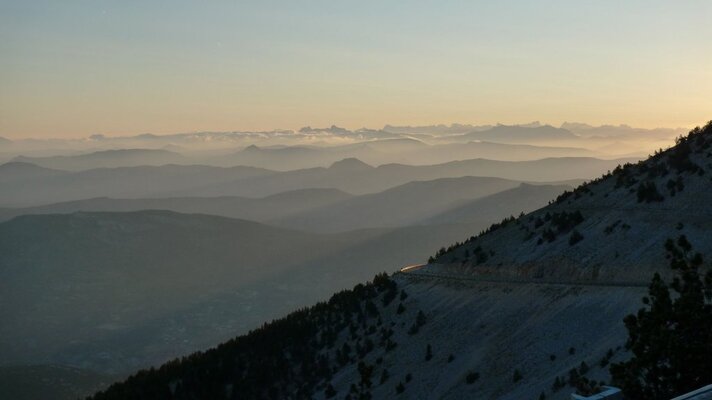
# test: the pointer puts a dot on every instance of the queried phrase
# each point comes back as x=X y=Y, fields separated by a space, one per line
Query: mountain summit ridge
x=350 y=164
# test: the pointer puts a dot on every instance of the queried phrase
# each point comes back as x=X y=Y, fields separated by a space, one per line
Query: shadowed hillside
x=113 y=292
x=107 y=159
x=524 y=198
x=359 y=179
x=254 y=209
x=24 y=184
x=399 y=206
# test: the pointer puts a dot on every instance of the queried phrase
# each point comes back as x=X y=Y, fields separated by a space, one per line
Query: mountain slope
x=403 y=150
x=351 y=176
x=522 y=134
x=299 y=157
x=261 y=209
x=620 y=221
x=34 y=185
x=23 y=185
x=486 y=329
x=18 y=172
x=499 y=151
x=399 y=206
x=375 y=339
x=364 y=180
x=107 y=159
x=524 y=198
x=440 y=201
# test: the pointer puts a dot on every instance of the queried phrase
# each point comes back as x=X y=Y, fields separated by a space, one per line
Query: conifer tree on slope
x=671 y=338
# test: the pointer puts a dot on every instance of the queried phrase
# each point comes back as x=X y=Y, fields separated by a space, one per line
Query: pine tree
x=472 y=377
x=384 y=376
x=516 y=376
x=365 y=371
x=671 y=338
x=329 y=392
x=400 y=388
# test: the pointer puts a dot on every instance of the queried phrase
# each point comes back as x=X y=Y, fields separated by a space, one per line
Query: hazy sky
x=74 y=68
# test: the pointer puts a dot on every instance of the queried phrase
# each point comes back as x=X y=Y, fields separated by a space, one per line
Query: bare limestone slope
x=610 y=230
x=492 y=329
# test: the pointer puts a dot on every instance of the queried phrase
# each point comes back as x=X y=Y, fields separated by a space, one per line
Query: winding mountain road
x=416 y=270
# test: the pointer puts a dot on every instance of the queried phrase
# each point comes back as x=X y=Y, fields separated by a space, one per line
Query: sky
x=76 y=68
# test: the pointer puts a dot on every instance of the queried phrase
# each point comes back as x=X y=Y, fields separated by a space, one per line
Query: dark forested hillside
x=292 y=357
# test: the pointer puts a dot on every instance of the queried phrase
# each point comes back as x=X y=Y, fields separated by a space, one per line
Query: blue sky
x=80 y=67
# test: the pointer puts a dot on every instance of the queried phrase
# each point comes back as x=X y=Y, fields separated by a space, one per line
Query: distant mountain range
x=520 y=134
x=16 y=172
x=331 y=210
x=356 y=177
x=255 y=209
x=28 y=184
x=524 y=198
x=382 y=151
x=403 y=205
x=320 y=147
x=23 y=184
x=406 y=150
x=106 y=159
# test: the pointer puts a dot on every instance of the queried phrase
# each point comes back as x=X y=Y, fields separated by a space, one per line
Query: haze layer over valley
x=311 y=147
